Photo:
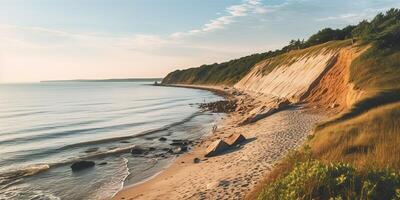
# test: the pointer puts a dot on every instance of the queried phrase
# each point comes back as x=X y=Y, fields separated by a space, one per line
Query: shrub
x=315 y=180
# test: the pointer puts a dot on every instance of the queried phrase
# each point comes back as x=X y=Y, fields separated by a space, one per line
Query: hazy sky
x=70 y=39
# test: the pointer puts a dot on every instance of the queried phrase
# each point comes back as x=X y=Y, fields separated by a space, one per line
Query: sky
x=95 y=39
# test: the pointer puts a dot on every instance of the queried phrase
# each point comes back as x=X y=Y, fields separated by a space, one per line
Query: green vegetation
x=225 y=73
x=313 y=179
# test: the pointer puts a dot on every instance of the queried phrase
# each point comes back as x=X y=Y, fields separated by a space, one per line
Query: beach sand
x=233 y=174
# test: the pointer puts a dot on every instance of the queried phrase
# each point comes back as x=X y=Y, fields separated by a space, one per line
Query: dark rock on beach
x=137 y=150
x=152 y=149
x=103 y=163
x=162 y=139
x=196 y=160
x=80 y=165
x=91 y=150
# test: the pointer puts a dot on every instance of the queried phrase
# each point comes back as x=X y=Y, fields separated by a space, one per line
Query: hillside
x=350 y=74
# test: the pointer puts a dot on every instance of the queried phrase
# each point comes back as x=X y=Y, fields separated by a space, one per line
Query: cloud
x=232 y=13
x=355 y=17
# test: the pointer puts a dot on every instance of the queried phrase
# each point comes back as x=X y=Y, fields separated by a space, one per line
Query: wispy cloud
x=232 y=13
x=355 y=17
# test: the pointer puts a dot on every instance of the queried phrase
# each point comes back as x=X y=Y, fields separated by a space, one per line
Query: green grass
x=377 y=68
x=227 y=73
x=313 y=179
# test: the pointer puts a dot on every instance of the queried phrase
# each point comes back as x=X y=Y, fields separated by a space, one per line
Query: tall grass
x=313 y=179
x=377 y=68
x=371 y=139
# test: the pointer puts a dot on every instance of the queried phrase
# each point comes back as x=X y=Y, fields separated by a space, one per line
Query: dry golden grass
x=369 y=140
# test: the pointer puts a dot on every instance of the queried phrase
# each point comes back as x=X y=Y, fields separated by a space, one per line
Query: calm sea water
x=44 y=127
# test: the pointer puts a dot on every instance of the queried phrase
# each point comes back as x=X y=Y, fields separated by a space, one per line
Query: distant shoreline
x=106 y=80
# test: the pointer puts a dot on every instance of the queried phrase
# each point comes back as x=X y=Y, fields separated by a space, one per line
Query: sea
x=45 y=127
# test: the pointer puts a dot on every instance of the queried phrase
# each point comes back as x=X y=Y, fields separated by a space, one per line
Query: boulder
x=216 y=148
x=152 y=149
x=283 y=104
x=80 y=165
x=180 y=142
x=162 y=139
x=102 y=163
x=235 y=139
x=91 y=150
x=196 y=160
x=137 y=150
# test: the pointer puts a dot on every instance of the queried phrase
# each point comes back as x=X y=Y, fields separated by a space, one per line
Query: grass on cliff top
x=377 y=68
x=292 y=56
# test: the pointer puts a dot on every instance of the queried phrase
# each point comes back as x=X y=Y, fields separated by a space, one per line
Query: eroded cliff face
x=289 y=80
x=320 y=78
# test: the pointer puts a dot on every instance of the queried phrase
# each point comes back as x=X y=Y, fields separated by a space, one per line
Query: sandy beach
x=233 y=174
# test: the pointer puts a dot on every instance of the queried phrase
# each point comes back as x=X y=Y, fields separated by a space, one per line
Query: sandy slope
x=290 y=81
x=231 y=175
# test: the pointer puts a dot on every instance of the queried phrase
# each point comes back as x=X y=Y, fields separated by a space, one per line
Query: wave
x=73 y=131
x=38 y=168
x=148 y=132
x=147 y=105
x=22 y=114
x=48 y=127
x=11 y=177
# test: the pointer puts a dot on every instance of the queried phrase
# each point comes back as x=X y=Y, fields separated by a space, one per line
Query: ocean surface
x=45 y=127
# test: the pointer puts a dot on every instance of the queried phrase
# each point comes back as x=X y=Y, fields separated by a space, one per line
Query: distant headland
x=108 y=80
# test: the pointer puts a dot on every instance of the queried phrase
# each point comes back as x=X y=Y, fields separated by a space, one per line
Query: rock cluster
x=224 y=106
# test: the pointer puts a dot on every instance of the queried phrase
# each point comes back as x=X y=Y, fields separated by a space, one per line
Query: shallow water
x=44 y=127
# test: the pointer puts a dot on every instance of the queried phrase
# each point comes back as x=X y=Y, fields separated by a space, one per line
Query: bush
x=315 y=180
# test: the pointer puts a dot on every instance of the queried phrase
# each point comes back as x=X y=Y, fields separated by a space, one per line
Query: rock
x=184 y=148
x=91 y=150
x=137 y=150
x=166 y=149
x=124 y=141
x=334 y=105
x=283 y=104
x=103 y=163
x=224 y=183
x=225 y=106
x=80 y=165
x=216 y=148
x=152 y=149
x=179 y=150
x=162 y=139
x=235 y=139
x=180 y=142
x=196 y=160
